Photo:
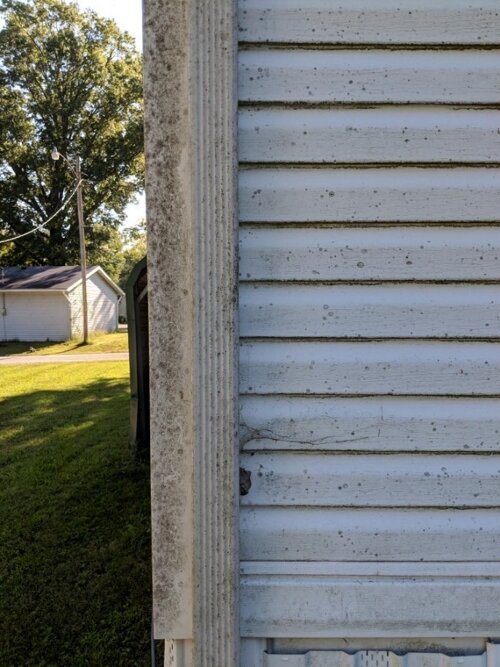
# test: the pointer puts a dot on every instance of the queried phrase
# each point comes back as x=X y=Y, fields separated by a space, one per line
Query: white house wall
x=102 y=303
x=369 y=203
x=34 y=316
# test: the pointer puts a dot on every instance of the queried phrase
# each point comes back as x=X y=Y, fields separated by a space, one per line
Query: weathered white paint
x=190 y=131
x=459 y=646
x=375 y=311
x=385 y=134
x=353 y=447
x=489 y=658
x=465 y=77
x=370 y=605
x=178 y=653
x=384 y=424
x=190 y=183
x=394 y=253
x=393 y=480
x=374 y=368
x=34 y=316
x=370 y=195
x=252 y=652
x=377 y=22
x=324 y=534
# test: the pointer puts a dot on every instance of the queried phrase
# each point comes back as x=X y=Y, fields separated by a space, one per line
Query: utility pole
x=77 y=171
x=83 y=254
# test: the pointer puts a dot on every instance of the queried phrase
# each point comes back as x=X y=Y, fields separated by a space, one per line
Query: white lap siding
x=35 y=316
x=369 y=199
x=102 y=303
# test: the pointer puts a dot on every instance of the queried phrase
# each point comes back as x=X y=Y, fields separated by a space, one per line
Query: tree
x=134 y=249
x=72 y=80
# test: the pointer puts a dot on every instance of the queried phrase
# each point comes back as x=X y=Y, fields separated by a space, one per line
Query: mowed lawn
x=74 y=519
x=98 y=343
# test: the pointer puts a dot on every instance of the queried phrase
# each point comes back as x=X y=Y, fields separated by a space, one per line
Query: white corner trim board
x=190 y=122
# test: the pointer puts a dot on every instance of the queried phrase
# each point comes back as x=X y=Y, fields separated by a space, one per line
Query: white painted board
x=385 y=134
x=364 y=253
x=392 y=480
x=369 y=606
x=369 y=311
x=369 y=195
x=374 y=368
x=326 y=534
x=404 y=76
x=377 y=22
x=388 y=424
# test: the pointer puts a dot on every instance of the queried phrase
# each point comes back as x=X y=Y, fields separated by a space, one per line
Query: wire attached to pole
x=35 y=229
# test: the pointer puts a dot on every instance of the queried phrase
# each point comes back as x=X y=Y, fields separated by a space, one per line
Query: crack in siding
x=249 y=434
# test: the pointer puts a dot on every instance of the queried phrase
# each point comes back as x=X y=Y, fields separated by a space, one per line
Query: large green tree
x=73 y=80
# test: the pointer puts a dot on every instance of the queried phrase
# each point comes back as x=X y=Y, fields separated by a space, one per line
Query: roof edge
x=90 y=272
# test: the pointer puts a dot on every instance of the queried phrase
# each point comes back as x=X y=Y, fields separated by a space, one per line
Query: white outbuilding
x=45 y=302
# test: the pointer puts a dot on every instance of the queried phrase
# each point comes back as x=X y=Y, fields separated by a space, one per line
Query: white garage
x=45 y=302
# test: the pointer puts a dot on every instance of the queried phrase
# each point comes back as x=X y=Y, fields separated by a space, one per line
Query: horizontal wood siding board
x=457 y=645
x=381 y=135
x=319 y=534
x=369 y=424
x=374 y=464
x=394 y=480
x=420 y=253
x=309 y=606
x=361 y=311
x=369 y=195
x=377 y=22
x=450 y=77
x=375 y=368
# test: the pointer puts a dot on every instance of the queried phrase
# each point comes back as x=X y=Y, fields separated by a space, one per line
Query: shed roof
x=56 y=278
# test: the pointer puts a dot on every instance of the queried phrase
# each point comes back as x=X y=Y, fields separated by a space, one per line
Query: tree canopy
x=72 y=80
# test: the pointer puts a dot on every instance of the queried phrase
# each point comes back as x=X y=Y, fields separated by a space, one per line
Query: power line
x=35 y=229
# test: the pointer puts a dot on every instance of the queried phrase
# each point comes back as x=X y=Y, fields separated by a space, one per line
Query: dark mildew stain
x=245 y=481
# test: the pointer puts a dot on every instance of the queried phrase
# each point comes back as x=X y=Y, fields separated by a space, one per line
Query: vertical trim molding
x=191 y=172
x=216 y=462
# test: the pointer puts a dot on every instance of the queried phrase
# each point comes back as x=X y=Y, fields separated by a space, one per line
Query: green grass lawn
x=112 y=342
x=74 y=520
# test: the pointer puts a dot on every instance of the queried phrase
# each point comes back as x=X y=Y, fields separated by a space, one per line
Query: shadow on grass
x=75 y=539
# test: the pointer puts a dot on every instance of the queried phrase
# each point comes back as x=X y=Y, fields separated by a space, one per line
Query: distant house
x=45 y=302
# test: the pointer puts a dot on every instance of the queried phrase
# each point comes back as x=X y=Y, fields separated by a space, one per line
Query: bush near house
x=74 y=517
